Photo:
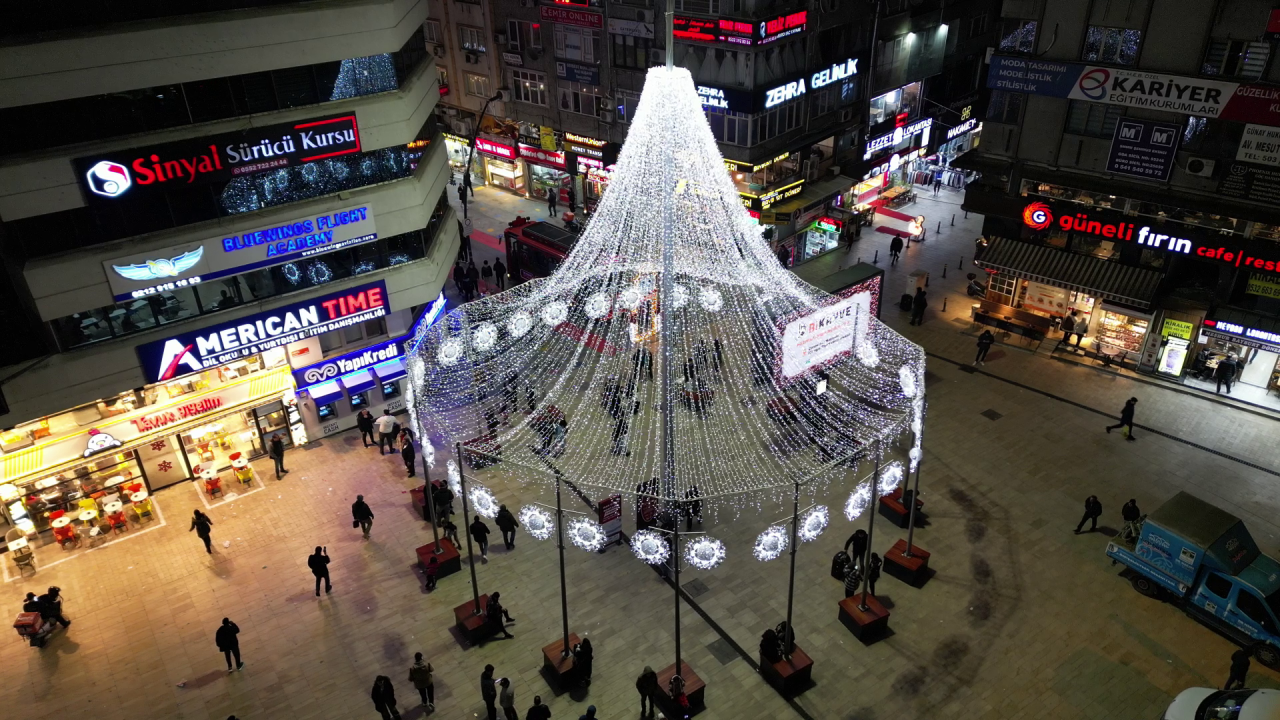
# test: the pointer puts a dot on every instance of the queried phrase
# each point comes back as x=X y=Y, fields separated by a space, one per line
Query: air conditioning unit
x=1201 y=167
x=471 y=58
x=451 y=112
x=438 y=50
x=501 y=37
x=846 y=115
x=606 y=116
x=644 y=16
x=657 y=56
x=504 y=95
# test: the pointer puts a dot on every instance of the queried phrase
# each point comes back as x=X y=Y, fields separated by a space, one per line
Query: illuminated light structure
x=689 y=391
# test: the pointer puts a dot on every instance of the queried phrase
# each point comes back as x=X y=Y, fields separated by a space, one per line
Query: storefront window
x=1120 y=333
x=888 y=106
x=544 y=178
x=506 y=175
x=31 y=505
x=216 y=444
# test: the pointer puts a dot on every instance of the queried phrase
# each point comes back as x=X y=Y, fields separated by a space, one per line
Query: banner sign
x=209 y=347
x=506 y=152
x=538 y=156
x=1260 y=145
x=143 y=274
x=1177 y=328
x=631 y=27
x=574 y=72
x=218 y=158
x=1247 y=336
x=1143 y=149
x=343 y=364
x=609 y=514
x=1265 y=287
x=565 y=16
x=825 y=335
x=1251 y=182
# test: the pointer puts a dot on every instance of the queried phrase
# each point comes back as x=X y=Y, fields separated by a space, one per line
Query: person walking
x=364 y=421
x=856 y=547
x=203 y=525
x=319 y=564
x=873 y=572
x=583 y=657
x=551 y=201
x=507 y=699
x=937 y=182
x=1130 y=514
x=784 y=256
x=985 y=341
x=1225 y=373
x=538 y=711
x=1068 y=325
x=1126 y=419
x=486 y=273
x=1092 y=511
x=462 y=198
x=432 y=572
x=499 y=274
x=465 y=243
x=460 y=276
x=407 y=452
x=386 y=425
x=1239 y=669
x=473 y=277
x=276 y=451
x=496 y=614
x=852 y=579
x=361 y=516
x=647 y=686
x=480 y=533
x=420 y=676
x=1078 y=326
x=590 y=714
x=895 y=249
x=50 y=606
x=572 y=198
x=489 y=692
x=384 y=698
x=918 y=304
x=443 y=498
x=507 y=523
x=228 y=643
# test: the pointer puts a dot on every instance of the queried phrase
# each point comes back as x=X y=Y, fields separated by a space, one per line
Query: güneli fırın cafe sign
x=1040 y=216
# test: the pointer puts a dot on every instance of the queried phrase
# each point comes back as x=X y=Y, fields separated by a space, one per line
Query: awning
x=325 y=392
x=357 y=382
x=1082 y=273
x=813 y=194
x=389 y=371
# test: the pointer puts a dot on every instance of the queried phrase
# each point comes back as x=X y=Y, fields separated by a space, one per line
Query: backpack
x=840 y=564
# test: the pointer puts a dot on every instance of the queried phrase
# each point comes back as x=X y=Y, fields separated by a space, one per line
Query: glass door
x=271 y=419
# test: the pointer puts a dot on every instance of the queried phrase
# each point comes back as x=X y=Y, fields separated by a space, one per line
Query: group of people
x=48 y=605
x=467 y=277
x=421 y=675
x=1131 y=514
x=505 y=521
x=389 y=435
x=854 y=564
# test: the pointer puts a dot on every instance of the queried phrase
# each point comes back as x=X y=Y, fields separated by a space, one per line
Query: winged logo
x=163 y=268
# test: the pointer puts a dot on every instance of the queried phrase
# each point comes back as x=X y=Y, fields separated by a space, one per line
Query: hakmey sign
x=147 y=423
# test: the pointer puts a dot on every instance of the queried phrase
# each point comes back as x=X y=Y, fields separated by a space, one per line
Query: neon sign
x=783 y=26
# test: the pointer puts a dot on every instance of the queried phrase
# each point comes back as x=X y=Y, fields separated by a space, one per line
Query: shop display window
x=213 y=444
x=32 y=504
x=391 y=390
x=1116 y=330
x=359 y=401
x=327 y=412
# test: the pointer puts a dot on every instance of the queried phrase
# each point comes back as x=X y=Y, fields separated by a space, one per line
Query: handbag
x=355 y=523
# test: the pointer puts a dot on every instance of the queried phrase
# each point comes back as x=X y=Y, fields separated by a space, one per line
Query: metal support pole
x=953 y=219
x=430 y=500
x=564 y=593
x=877 y=257
x=466 y=520
x=911 y=512
x=675 y=562
x=671 y=52
x=665 y=304
x=791 y=581
x=471 y=153
x=871 y=525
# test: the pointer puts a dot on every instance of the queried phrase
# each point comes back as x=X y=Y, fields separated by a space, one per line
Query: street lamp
x=471 y=152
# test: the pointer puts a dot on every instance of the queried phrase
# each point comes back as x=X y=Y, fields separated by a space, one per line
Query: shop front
x=546 y=174
x=812 y=221
x=336 y=389
x=1252 y=339
x=502 y=165
x=595 y=162
x=458 y=150
x=894 y=153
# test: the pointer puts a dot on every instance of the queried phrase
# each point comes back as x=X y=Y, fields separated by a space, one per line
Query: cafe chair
x=86 y=503
x=66 y=537
x=119 y=522
x=143 y=509
x=213 y=487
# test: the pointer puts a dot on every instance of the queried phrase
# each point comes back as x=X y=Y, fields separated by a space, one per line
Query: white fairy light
x=455 y=477
x=771 y=543
x=597 y=306
x=711 y=299
x=484 y=336
x=858 y=501
x=890 y=478
x=537 y=522
x=631 y=298
x=519 y=324
x=813 y=523
x=704 y=552
x=650 y=546
x=429 y=452
x=483 y=501
x=915 y=455
x=450 y=351
x=586 y=534
x=867 y=354
x=555 y=312
x=907 y=378
x=679 y=296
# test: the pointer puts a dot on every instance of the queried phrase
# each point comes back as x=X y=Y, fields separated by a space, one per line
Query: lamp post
x=871 y=525
x=471 y=561
x=471 y=153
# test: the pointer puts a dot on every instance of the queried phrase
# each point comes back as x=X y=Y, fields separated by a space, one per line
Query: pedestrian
x=1239 y=669
x=361 y=516
x=364 y=421
x=551 y=201
x=450 y=532
x=462 y=197
x=918 y=304
x=590 y=714
x=486 y=273
x=443 y=498
x=480 y=533
x=228 y=643
x=500 y=274
x=276 y=451
x=32 y=604
x=1225 y=373
x=985 y=341
x=460 y=276
x=202 y=524
x=1130 y=514
x=420 y=676
x=466 y=182
x=50 y=605
x=473 y=276
x=432 y=571
x=465 y=242
x=1126 y=419
x=538 y=711
x=691 y=508
x=507 y=523
x=507 y=699
x=583 y=656
x=384 y=698
x=784 y=256
x=1092 y=511
x=895 y=249
x=496 y=613
x=386 y=425
x=647 y=686
x=856 y=547
x=1068 y=325
x=873 y=572
x=1078 y=325
x=937 y=182
x=852 y=579
x=407 y=452
x=489 y=692
x=572 y=199
x=319 y=564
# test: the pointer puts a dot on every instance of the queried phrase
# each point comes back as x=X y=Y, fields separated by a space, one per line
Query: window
x=433 y=32
x=888 y=106
x=823 y=101
x=575 y=43
x=1253 y=608
x=1017 y=36
x=1236 y=58
x=477 y=85
x=978 y=25
x=1005 y=107
x=444 y=75
x=631 y=52
x=472 y=38
x=779 y=120
x=579 y=98
x=522 y=34
x=1118 y=46
x=730 y=128
x=627 y=102
x=1218 y=585
x=1003 y=284
x=529 y=87
x=1092 y=119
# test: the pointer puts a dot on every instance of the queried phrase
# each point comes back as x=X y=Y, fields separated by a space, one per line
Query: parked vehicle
x=1204 y=560
x=1214 y=704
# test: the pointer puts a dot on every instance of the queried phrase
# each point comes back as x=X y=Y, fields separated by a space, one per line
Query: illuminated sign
x=99 y=441
x=713 y=97
x=962 y=128
x=210 y=347
x=565 y=16
x=217 y=158
x=839 y=71
x=783 y=26
x=583 y=145
x=783 y=93
x=1250 y=337
x=828 y=224
x=539 y=156
x=898 y=136
x=147 y=423
x=710 y=30
x=782 y=193
x=497 y=149
x=349 y=363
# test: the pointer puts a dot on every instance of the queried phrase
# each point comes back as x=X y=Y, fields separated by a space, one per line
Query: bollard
x=953 y=219
x=966 y=214
x=859 y=261
x=939 y=230
x=944 y=304
x=944 y=271
x=877 y=258
x=926 y=279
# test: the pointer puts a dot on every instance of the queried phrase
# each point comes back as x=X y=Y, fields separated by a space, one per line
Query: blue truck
x=1204 y=560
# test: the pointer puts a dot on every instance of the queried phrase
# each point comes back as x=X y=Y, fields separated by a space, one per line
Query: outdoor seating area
x=88 y=523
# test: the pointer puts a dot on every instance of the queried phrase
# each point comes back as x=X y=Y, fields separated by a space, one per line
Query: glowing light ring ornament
x=587 y=534
x=484 y=337
x=450 y=351
x=915 y=457
x=537 y=522
x=484 y=502
x=890 y=477
x=771 y=543
x=907 y=379
x=679 y=296
x=455 y=477
x=555 y=312
x=650 y=546
x=597 y=306
x=430 y=451
x=867 y=354
x=519 y=324
x=630 y=298
x=858 y=501
x=711 y=299
x=704 y=553
x=813 y=523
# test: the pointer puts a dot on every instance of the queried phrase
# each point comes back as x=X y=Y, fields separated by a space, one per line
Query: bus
x=535 y=249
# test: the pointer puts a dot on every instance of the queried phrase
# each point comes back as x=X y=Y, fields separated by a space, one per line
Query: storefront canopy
x=325 y=392
x=818 y=192
x=389 y=371
x=1093 y=276
x=357 y=382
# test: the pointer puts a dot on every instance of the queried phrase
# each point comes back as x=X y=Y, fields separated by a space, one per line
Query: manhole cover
x=722 y=651
x=694 y=588
x=991 y=415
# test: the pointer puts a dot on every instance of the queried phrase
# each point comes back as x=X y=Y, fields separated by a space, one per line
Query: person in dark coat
x=420 y=675
x=50 y=607
x=552 y=199
x=500 y=276
x=895 y=249
x=276 y=451
x=918 y=304
x=228 y=642
x=985 y=341
x=384 y=698
x=784 y=256
x=480 y=533
x=1092 y=511
x=647 y=686
x=489 y=692
x=408 y=453
x=473 y=277
x=1126 y=418
x=583 y=656
x=770 y=646
x=1225 y=373
x=363 y=516
x=495 y=613
x=443 y=498
x=852 y=580
x=460 y=277
x=364 y=421
x=203 y=525
x=1239 y=669
x=538 y=711
x=873 y=572
x=486 y=272
x=507 y=523
x=856 y=547
x=319 y=564
x=1130 y=514
x=572 y=197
